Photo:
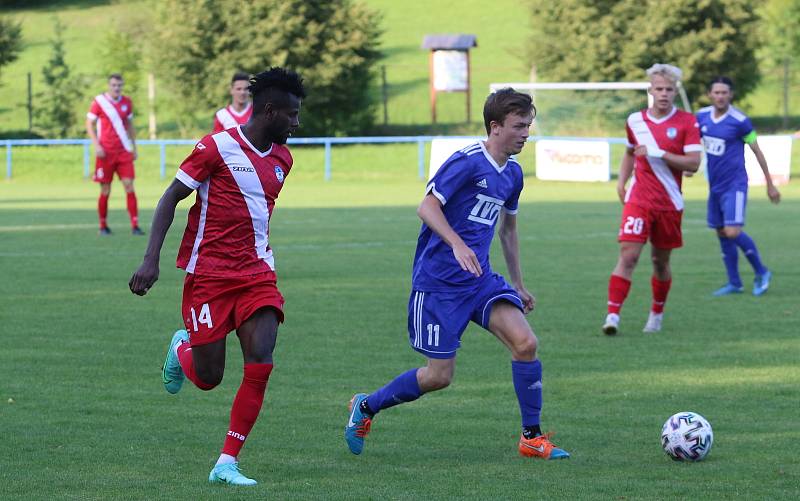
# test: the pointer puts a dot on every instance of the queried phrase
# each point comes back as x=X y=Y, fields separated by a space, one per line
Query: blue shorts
x=436 y=320
x=727 y=208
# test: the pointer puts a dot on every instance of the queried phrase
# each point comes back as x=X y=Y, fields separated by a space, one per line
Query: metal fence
x=327 y=142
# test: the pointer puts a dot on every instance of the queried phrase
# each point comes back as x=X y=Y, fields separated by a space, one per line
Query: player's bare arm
x=430 y=211
x=147 y=274
x=625 y=172
x=509 y=241
x=90 y=125
x=687 y=162
x=772 y=192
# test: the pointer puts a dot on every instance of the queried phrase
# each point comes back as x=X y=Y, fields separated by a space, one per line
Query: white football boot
x=653 y=322
x=612 y=324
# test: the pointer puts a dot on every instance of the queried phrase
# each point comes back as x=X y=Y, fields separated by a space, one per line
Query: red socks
x=133 y=210
x=246 y=406
x=618 y=288
x=660 y=291
x=102 y=209
x=187 y=364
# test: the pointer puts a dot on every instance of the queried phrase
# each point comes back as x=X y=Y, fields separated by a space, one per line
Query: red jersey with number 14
x=655 y=185
x=227 y=233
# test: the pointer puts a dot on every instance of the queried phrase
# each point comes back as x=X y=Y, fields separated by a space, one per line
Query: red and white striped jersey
x=227 y=232
x=227 y=117
x=112 y=118
x=655 y=185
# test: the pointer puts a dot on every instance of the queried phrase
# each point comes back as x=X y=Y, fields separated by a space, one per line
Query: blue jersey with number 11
x=473 y=190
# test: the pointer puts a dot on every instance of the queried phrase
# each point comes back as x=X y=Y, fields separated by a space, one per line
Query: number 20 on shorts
x=203 y=318
x=633 y=225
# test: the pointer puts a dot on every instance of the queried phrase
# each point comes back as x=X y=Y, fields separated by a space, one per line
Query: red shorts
x=120 y=162
x=214 y=306
x=662 y=227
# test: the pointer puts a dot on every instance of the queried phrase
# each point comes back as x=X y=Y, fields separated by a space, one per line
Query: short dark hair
x=115 y=76
x=240 y=75
x=721 y=79
x=273 y=85
x=505 y=102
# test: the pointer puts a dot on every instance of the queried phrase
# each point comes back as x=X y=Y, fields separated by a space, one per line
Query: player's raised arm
x=430 y=211
x=147 y=274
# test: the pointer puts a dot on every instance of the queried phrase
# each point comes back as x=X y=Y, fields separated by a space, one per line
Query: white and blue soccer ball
x=687 y=436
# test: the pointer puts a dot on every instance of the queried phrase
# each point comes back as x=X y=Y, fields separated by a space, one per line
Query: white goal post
x=534 y=86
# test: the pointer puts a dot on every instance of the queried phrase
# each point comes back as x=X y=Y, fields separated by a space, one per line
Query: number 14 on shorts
x=203 y=318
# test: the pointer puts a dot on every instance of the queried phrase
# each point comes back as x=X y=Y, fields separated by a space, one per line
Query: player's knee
x=439 y=381
x=629 y=261
x=660 y=264
x=433 y=379
x=525 y=349
x=731 y=231
x=211 y=378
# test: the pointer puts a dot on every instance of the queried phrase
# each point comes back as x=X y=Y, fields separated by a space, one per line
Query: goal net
x=586 y=109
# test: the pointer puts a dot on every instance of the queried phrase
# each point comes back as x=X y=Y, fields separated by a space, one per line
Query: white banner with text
x=560 y=160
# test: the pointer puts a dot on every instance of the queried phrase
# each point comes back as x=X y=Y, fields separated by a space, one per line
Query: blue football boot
x=761 y=283
x=172 y=374
x=229 y=474
x=358 y=425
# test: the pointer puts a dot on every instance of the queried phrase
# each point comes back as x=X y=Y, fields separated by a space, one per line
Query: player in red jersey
x=230 y=279
x=240 y=109
x=663 y=144
x=109 y=124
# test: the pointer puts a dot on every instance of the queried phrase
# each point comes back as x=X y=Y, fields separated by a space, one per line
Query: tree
x=781 y=27
x=619 y=39
x=10 y=41
x=120 y=54
x=55 y=110
x=332 y=44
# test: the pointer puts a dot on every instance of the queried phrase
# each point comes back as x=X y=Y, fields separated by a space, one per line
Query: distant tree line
x=615 y=40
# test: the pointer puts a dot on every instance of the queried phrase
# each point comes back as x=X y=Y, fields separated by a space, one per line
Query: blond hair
x=667 y=71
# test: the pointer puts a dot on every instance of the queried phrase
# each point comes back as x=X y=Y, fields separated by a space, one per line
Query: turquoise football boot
x=728 y=289
x=172 y=374
x=358 y=425
x=229 y=474
x=761 y=283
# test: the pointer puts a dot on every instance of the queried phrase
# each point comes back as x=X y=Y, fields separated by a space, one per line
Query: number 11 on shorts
x=203 y=318
x=433 y=334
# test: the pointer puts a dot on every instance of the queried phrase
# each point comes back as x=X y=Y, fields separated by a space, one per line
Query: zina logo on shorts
x=486 y=210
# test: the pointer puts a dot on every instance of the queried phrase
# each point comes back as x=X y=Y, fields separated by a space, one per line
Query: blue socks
x=528 y=385
x=751 y=252
x=404 y=388
x=730 y=256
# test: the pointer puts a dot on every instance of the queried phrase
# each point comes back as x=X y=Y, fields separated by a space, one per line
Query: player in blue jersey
x=453 y=282
x=725 y=131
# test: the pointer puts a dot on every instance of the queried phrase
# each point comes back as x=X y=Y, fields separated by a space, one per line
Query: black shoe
x=105 y=231
x=137 y=231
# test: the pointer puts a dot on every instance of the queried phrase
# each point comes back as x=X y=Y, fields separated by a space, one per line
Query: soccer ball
x=687 y=436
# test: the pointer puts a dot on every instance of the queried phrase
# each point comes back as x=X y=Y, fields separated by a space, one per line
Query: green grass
x=90 y=420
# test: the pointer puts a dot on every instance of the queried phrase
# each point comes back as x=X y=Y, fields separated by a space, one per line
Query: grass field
x=84 y=416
